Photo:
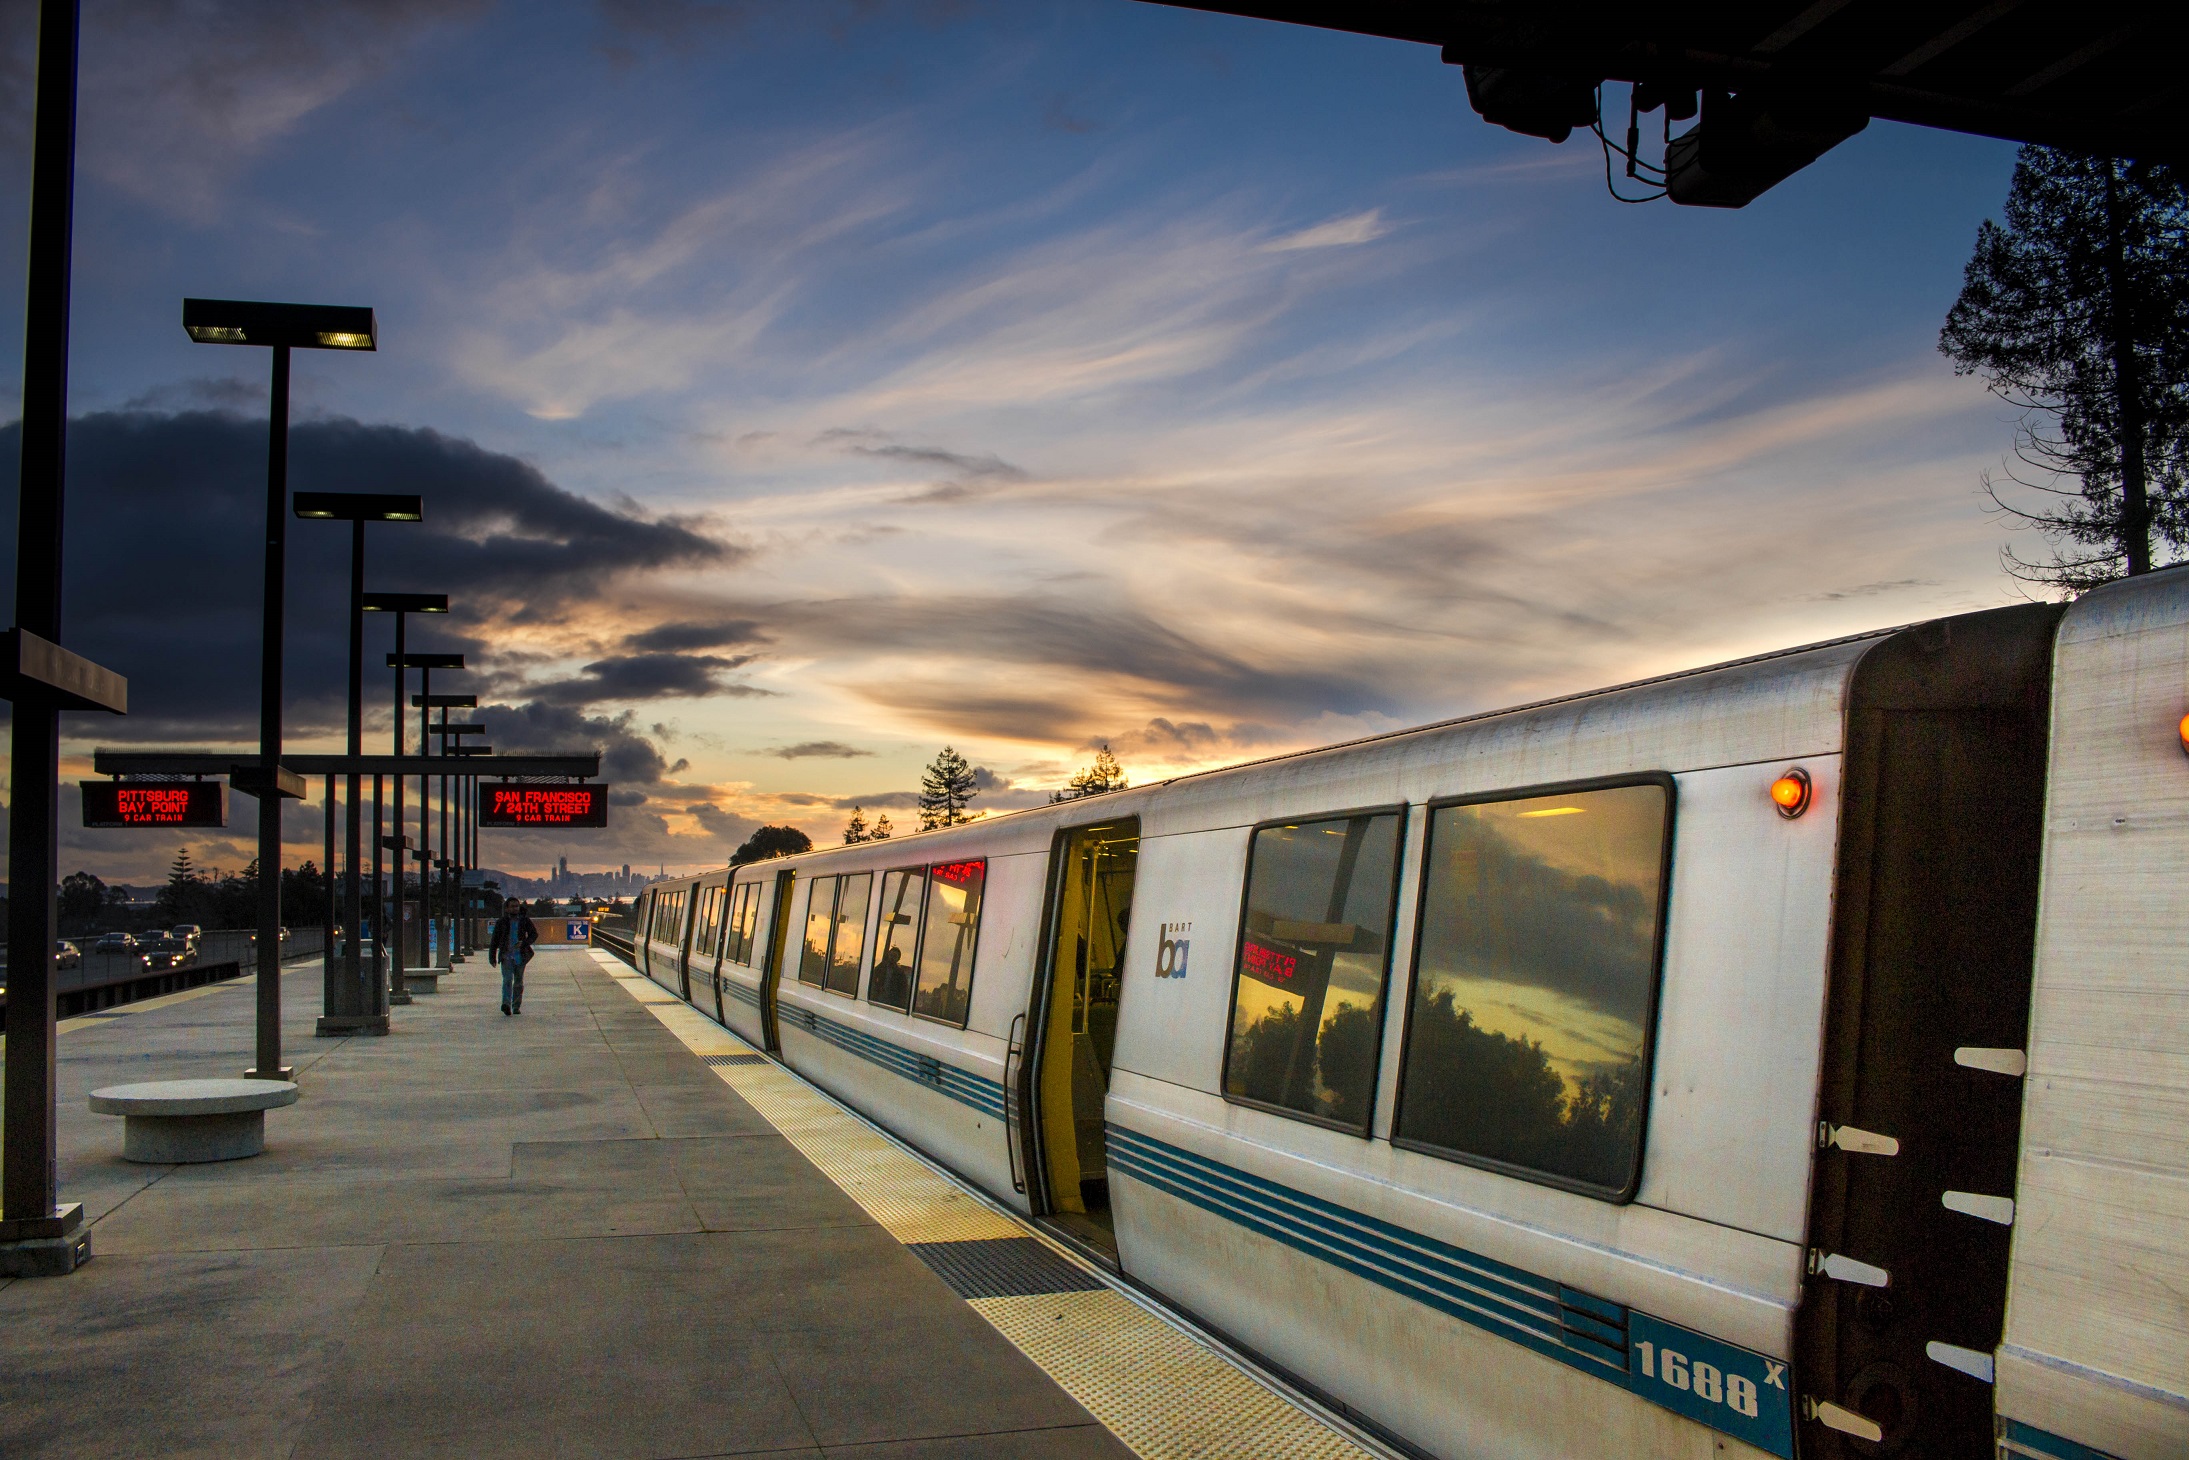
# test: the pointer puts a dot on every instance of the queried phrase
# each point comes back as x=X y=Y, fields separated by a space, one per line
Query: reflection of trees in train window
x=896 y=938
x=1313 y=957
x=1534 y=981
x=820 y=919
x=850 y=935
x=741 y=920
x=949 y=929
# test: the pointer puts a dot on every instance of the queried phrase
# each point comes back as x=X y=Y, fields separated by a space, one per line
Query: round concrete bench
x=175 y=1121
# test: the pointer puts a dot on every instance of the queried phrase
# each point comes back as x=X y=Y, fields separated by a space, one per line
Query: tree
x=855 y=830
x=771 y=841
x=881 y=831
x=303 y=896
x=1099 y=779
x=85 y=902
x=2075 y=310
x=947 y=786
x=185 y=898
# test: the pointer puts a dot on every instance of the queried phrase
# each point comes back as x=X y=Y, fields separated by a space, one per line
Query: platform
x=607 y=1228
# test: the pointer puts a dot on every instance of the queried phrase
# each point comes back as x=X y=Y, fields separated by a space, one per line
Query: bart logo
x=1170 y=957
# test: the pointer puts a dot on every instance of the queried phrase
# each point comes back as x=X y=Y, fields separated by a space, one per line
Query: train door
x=1073 y=1028
x=687 y=935
x=643 y=929
x=725 y=911
x=771 y=970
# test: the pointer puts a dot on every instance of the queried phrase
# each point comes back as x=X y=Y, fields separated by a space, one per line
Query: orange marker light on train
x=2185 y=735
x=1791 y=793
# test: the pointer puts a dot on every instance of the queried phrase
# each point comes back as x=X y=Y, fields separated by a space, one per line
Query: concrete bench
x=176 y=1121
x=423 y=980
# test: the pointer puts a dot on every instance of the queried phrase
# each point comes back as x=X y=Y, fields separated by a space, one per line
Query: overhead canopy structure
x=1778 y=82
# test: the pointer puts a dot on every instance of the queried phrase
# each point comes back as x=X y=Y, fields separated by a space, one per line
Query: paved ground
x=553 y=1235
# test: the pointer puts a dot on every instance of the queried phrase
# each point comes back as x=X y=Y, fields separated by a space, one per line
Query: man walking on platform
x=510 y=945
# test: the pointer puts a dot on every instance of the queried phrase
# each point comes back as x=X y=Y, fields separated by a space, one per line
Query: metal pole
x=377 y=1004
x=352 y=958
x=425 y=825
x=29 y=1177
x=269 y=1066
x=397 y=992
x=447 y=907
x=326 y=917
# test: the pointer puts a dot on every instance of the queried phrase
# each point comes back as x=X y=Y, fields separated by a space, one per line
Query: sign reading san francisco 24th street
x=159 y=803
x=520 y=806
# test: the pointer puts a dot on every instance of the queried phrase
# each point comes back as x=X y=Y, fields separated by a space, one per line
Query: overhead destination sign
x=168 y=803
x=502 y=804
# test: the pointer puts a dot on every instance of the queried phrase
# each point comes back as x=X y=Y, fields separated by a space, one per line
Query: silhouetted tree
x=947 y=787
x=303 y=896
x=234 y=900
x=86 y=903
x=881 y=831
x=186 y=897
x=2076 y=310
x=1104 y=776
x=771 y=841
x=855 y=830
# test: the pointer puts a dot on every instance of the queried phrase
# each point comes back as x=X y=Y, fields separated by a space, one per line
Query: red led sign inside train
x=165 y=803
x=517 y=806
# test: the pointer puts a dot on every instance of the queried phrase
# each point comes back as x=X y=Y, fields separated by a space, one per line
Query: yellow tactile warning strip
x=1162 y=1391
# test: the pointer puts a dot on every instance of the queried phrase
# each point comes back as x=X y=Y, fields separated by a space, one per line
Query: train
x=1786 y=1057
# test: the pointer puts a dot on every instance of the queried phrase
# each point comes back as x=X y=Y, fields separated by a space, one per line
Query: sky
x=797 y=388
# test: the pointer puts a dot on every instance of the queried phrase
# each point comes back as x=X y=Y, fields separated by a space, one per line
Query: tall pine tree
x=947 y=787
x=2075 y=310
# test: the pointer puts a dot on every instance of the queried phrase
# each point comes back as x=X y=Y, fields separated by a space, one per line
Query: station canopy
x=1778 y=83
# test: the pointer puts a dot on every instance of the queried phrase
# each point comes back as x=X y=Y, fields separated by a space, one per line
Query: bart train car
x=1786 y=1057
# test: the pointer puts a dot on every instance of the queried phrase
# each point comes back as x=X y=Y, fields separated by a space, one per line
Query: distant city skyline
x=795 y=390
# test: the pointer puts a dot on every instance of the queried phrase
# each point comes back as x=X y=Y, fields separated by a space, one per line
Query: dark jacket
x=526 y=936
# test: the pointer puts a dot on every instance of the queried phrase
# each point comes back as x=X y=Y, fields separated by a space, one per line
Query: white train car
x=1787 y=1057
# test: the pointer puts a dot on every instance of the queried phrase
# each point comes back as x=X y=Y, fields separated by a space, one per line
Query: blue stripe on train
x=1731 y=1389
x=978 y=1091
x=2017 y=1438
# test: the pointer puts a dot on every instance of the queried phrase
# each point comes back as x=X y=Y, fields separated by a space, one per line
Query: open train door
x=771 y=968
x=1063 y=1075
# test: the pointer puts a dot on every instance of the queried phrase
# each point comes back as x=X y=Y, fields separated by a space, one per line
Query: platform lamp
x=425 y=664
x=449 y=842
x=402 y=605
x=350 y=1006
x=282 y=328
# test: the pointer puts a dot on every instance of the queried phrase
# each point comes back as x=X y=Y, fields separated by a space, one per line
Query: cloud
x=1337 y=233
x=177 y=99
x=164 y=560
x=648 y=677
x=719 y=634
x=817 y=749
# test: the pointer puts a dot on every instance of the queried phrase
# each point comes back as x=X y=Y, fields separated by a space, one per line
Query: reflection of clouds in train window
x=1533 y=981
x=820 y=917
x=850 y=933
x=950 y=929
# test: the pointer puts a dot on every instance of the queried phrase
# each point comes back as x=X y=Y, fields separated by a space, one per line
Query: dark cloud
x=967 y=475
x=627 y=758
x=1188 y=738
x=879 y=801
x=648 y=677
x=685 y=636
x=164 y=555
x=817 y=750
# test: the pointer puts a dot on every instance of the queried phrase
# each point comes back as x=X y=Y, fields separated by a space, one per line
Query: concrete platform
x=561 y=1235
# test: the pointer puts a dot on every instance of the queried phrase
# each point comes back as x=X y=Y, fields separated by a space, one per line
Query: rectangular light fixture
x=444 y=702
x=299 y=326
x=405 y=602
x=428 y=661
x=359 y=506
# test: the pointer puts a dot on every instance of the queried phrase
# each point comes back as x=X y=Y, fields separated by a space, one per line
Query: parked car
x=166 y=952
x=67 y=955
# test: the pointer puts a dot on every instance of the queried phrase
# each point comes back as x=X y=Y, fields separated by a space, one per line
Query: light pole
x=39 y=1234
x=401 y=605
x=350 y=1007
x=283 y=327
x=425 y=664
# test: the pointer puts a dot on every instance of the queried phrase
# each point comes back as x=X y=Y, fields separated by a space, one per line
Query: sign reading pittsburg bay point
x=514 y=805
x=162 y=803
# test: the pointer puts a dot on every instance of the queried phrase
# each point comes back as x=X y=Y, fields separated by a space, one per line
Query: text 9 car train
x=1787 y=1057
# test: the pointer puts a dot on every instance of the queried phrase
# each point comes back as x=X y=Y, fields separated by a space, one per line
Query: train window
x=820 y=920
x=897 y=939
x=949 y=931
x=849 y=939
x=1535 y=978
x=1314 y=957
x=741 y=920
x=710 y=922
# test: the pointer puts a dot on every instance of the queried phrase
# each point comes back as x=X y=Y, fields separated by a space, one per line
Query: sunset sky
x=800 y=385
